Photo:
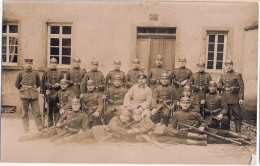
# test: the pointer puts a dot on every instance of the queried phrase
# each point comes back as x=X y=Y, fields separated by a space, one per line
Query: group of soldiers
x=167 y=107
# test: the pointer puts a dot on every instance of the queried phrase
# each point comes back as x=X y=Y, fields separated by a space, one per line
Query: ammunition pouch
x=232 y=89
x=213 y=112
x=197 y=88
x=111 y=102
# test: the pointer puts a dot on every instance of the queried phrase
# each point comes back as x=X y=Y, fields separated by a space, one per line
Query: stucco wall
x=107 y=30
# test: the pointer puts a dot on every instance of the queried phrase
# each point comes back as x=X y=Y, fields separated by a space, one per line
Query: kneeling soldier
x=164 y=97
x=215 y=109
x=92 y=104
x=72 y=122
x=115 y=98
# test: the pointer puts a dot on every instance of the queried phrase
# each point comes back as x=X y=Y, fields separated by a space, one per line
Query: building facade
x=107 y=30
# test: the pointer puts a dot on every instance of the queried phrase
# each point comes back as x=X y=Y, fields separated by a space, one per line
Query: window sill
x=5 y=67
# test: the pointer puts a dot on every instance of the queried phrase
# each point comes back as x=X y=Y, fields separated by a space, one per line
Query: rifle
x=211 y=134
x=43 y=110
x=103 y=112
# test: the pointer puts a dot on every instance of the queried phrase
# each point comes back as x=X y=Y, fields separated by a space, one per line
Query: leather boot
x=195 y=142
x=238 y=126
x=238 y=135
x=195 y=136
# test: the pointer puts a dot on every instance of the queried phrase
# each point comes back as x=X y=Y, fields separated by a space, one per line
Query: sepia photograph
x=135 y=82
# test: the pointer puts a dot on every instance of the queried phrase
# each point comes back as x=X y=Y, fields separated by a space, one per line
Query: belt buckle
x=227 y=89
x=200 y=88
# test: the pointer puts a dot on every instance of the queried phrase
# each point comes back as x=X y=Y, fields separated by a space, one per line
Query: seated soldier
x=139 y=96
x=115 y=98
x=64 y=95
x=193 y=119
x=215 y=111
x=164 y=97
x=72 y=122
x=116 y=129
x=92 y=104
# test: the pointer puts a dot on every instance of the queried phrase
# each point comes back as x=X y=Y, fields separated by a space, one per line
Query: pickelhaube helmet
x=75 y=100
x=136 y=61
x=165 y=75
x=186 y=88
x=159 y=56
x=28 y=60
x=53 y=60
x=229 y=61
x=142 y=75
x=77 y=59
x=185 y=99
x=90 y=82
x=212 y=83
x=201 y=63
x=63 y=81
x=117 y=77
x=182 y=59
x=117 y=61
x=94 y=61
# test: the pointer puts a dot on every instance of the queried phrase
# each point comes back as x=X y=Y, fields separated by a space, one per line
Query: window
x=216 y=50
x=59 y=43
x=10 y=44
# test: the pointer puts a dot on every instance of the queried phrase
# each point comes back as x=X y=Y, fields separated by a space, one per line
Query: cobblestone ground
x=142 y=153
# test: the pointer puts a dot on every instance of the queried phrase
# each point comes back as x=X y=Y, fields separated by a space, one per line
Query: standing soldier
x=27 y=83
x=75 y=76
x=92 y=104
x=115 y=98
x=51 y=81
x=156 y=72
x=164 y=97
x=215 y=109
x=199 y=83
x=132 y=75
x=96 y=76
x=232 y=86
x=180 y=76
x=111 y=75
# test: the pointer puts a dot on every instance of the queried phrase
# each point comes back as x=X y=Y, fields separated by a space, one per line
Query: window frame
x=60 y=36
x=216 y=33
x=8 y=35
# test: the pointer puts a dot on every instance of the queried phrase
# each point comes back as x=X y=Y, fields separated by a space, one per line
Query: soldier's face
x=201 y=68
x=158 y=62
x=185 y=105
x=28 y=65
x=75 y=106
x=91 y=88
x=182 y=64
x=117 y=66
x=63 y=86
x=137 y=118
x=164 y=81
x=212 y=88
x=229 y=67
x=124 y=118
x=141 y=81
x=136 y=65
x=117 y=83
x=186 y=93
x=94 y=66
x=76 y=64
x=53 y=65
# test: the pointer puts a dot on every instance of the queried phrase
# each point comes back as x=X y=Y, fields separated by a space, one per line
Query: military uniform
x=27 y=83
x=97 y=77
x=132 y=75
x=111 y=75
x=154 y=76
x=232 y=85
x=75 y=76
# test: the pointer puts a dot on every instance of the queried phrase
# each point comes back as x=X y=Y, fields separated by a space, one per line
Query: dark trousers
x=235 y=111
x=162 y=116
x=36 y=113
x=53 y=116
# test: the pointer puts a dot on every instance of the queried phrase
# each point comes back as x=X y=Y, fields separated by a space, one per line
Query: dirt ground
x=143 y=153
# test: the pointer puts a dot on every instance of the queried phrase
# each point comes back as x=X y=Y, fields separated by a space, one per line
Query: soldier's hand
x=177 y=103
x=58 y=124
x=96 y=114
x=48 y=92
x=183 y=82
x=62 y=111
x=241 y=102
x=80 y=131
x=104 y=97
x=220 y=116
x=154 y=111
x=201 y=129
x=135 y=130
x=56 y=85
x=81 y=96
x=202 y=101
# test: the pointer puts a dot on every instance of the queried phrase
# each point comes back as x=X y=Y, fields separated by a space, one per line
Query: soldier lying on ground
x=174 y=132
x=71 y=122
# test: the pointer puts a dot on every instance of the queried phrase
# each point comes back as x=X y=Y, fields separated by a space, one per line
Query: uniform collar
x=142 y=86
x=182 y=67
x=230 y=71
x=54 y=69
x=158 y=66
x=136 y=69
x=212 y=93
x=76 y=67
x=117 y=70
x=94 y=70
x=28 y=70
x=201 y=72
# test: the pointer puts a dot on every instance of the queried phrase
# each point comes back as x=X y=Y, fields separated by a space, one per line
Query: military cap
x=126 y=113
x=117 y=77
x=212 y=83
x=136 y=61
x=142 y=75
x=28 y=60
x=53 y=60
x=186 y=88
x=182 y=59
x=90 y=82
x=165 y=75
x=117 y=61
x=201 y=63
x=185 y=99
x=77 y=59
x=75 y=100
x=63 y=81
x=94 y=61
x=228 y=61
x=159 y=56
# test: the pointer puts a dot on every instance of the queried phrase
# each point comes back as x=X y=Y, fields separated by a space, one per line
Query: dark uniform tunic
x=177 y=76
x=154 y=76
x=111 y=75
x=97 y=77
x=27 y=83
x=132 y=77
x=64 y=97
x=115 y=98
x=163 y=97
x=232 y=85
x=49 y=78
x=75 y=76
